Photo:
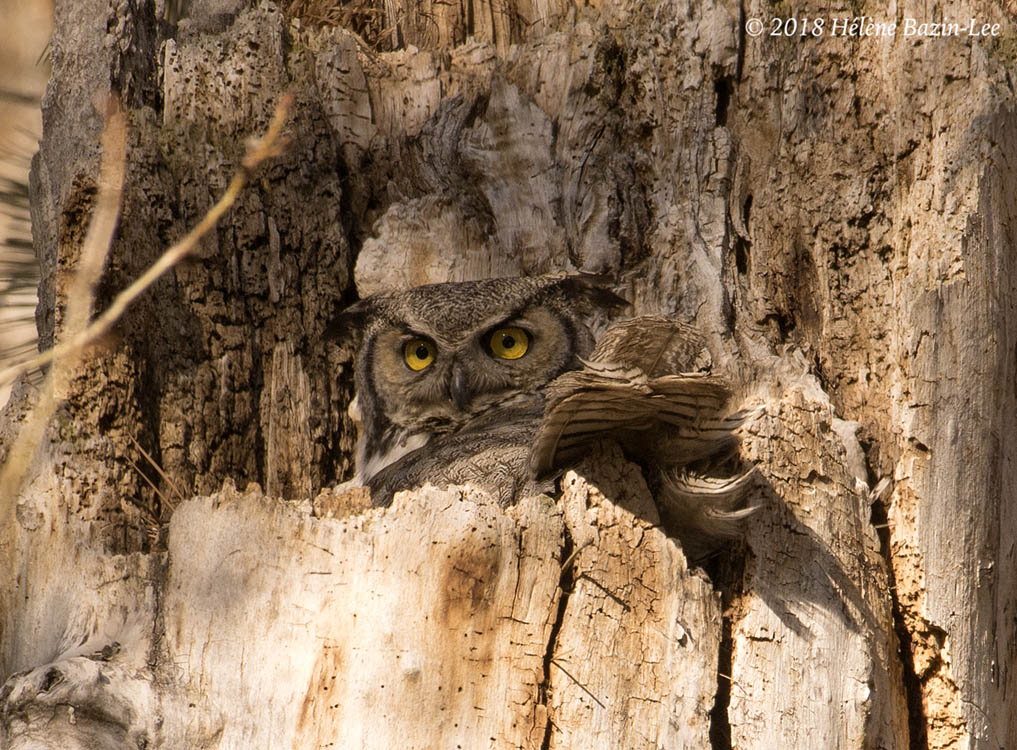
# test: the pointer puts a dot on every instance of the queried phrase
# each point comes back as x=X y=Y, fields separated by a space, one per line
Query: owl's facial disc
x=432 y=378
x=440 y=358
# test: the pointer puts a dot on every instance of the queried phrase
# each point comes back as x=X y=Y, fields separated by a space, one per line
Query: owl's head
x=434 y=357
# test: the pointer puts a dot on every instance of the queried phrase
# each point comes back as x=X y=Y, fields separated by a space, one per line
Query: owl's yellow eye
x=418 y=354
x=509 y=343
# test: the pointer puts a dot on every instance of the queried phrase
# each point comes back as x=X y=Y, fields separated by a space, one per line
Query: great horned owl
x=462 y=358
x=498 y=383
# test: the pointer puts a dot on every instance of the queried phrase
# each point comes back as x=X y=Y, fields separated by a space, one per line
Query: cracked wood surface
x=635 y=662
x=349 y=633
x=833 y=214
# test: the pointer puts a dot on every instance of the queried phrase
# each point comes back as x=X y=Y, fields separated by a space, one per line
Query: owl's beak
x=458 y=388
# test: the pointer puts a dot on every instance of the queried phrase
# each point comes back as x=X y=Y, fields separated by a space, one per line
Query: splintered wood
x=835 y=215
x=635 y=661
x=334 y=627
x=330 y=630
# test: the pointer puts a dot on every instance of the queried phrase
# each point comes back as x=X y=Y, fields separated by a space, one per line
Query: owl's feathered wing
x=641 y=388
x=677 y=417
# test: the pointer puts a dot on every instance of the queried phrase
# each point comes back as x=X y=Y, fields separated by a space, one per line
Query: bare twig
x=258 y=151
x=80 y=296
x=76 y=334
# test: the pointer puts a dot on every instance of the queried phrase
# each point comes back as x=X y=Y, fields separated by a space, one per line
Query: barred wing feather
x=600 y=403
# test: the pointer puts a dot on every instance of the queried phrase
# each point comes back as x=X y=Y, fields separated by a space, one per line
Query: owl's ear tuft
x=595 y=289
x=348 y=326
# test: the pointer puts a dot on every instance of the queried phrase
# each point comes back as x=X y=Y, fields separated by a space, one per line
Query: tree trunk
x=832 y=210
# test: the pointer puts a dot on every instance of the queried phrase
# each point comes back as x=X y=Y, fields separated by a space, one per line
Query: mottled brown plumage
x=463 y=387
x=644 y=387
x=448 y=394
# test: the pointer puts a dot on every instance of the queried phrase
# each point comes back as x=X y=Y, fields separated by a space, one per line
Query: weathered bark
x=833 y=213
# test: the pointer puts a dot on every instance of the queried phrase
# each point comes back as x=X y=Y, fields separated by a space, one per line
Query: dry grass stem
x=165 y=477
x=150 y=483
x=577 y=683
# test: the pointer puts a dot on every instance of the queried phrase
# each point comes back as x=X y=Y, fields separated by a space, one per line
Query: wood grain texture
x=833 y=214
x=328 y=631
x=814 y=652
x=634 y=663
